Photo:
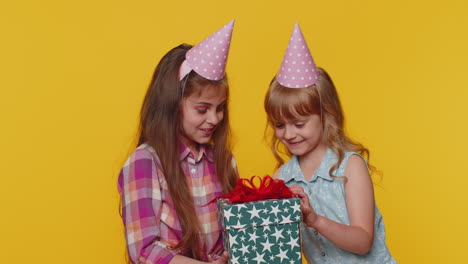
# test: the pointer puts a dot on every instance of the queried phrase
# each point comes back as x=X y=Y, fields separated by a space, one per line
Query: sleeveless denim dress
x=327 y=197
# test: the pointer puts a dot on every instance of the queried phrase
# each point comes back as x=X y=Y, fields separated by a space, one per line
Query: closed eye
x=220 y=108
x=299 y=125
x=201 y=110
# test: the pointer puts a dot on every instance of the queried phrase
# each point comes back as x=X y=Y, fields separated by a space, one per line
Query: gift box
x=262 y=231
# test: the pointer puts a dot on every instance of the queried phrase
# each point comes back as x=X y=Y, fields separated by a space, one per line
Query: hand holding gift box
x=261 y=224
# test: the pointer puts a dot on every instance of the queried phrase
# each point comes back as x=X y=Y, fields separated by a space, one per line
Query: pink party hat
x=209 y=57
x=298 y=69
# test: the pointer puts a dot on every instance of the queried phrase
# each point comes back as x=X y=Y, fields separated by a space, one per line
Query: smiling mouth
x=207 y=131
x=295 y=143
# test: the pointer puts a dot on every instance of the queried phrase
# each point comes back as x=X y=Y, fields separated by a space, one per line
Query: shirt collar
x=186 y=153
x=322 y=171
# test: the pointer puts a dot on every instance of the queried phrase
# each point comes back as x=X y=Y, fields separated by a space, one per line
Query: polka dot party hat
x=298 y=69
x=208 y=58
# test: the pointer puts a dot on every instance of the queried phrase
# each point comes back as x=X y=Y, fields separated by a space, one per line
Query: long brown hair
x=160 y=128
x=282 y=103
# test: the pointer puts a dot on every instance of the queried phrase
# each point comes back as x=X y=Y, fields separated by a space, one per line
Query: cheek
x=189 y=122
x=220 y=115
x=185 y=125
x=195 y=122
x=316 y=133
x=315 y=127
x=279 y=133
x=317 y=123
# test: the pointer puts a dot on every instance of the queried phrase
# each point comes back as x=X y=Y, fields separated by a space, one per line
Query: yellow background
x=73 y=75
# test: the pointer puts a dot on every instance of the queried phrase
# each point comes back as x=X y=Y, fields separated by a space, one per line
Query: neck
x=311 y=160
x=190 y=144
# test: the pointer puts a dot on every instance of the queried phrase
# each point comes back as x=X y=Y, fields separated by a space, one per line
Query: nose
x=289 y=133
x=214 y=117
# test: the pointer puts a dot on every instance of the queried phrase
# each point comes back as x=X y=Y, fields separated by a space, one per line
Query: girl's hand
x=222 y=259
x=308 y=214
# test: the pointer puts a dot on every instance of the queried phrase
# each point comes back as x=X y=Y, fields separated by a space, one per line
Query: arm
x=141 y=213
x=141 y=209
x=234 y=166
x=179 y=259
x=276 y=175
x=358 y=236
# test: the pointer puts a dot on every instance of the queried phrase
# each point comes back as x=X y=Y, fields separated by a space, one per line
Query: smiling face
x=202 y=112
x=302 y=135
x=296 y=118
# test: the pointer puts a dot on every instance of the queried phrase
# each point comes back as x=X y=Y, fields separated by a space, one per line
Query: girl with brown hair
x=183 y=159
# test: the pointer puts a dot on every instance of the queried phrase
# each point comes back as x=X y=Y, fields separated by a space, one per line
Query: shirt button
x=323 y=254
x=193 y=170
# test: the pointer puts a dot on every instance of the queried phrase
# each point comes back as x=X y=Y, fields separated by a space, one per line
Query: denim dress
x=327 y=196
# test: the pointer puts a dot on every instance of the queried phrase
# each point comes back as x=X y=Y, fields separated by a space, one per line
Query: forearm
x=350 y=238
x=179 y=259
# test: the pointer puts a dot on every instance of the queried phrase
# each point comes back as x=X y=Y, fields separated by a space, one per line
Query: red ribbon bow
x=269 y=188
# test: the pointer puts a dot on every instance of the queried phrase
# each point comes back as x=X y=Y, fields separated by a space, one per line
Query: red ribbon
x=269 y=188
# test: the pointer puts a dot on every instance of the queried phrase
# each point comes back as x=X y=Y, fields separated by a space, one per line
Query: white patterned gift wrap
x=262 y=231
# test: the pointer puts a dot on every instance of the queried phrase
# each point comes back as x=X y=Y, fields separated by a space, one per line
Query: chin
x=298 y=152
x=203 y=141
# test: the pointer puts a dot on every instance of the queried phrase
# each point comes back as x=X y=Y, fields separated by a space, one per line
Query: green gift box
x=262 y=231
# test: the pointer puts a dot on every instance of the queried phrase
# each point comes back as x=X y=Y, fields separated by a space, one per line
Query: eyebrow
x=209 y=104
x=296 y=120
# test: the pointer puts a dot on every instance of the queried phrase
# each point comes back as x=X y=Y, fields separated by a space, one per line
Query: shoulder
x=356 y=169
x=290 y=163
x=356 y=162
x=142 y=163
x=352 y=159
x=142 y=152
x=287 y=170
x=141 y=166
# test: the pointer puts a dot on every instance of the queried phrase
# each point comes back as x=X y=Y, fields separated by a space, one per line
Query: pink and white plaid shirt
x=149 y=215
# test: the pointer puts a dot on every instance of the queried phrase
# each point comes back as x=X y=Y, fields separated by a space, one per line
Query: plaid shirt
x=149 y=215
